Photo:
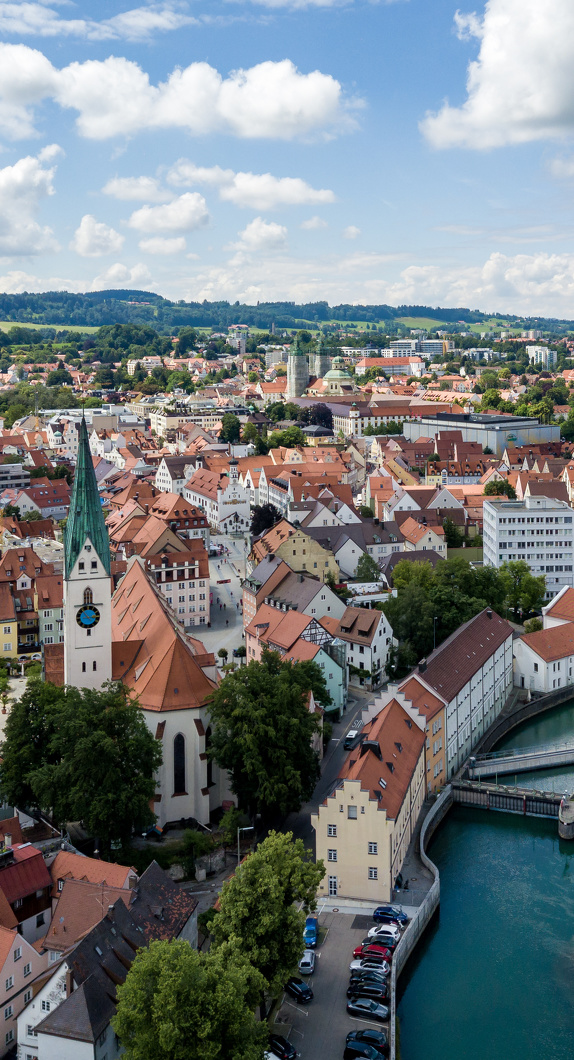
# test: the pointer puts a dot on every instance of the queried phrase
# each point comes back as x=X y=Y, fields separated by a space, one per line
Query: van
x=350 y=738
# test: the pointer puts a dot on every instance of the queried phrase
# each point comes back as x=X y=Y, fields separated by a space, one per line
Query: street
x=226 y=623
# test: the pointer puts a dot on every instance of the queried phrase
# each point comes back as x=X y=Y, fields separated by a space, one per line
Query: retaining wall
x=424 y=913
x=522 y=712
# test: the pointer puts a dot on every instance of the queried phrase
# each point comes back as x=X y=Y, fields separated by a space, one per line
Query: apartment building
x=369 y=637
x=544 y=661
x=537 y=529
x=460 y=689
x=183 y=579
x=542 y=355
x=363 y=829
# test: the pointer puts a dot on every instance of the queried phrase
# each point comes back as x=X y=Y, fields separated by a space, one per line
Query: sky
x=362 y=151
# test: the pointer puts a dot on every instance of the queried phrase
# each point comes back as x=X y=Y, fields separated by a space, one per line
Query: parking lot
x=319 y=1029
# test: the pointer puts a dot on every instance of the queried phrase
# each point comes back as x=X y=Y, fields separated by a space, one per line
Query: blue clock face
x=88 y=616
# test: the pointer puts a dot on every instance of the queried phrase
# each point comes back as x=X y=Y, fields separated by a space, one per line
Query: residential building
x=51 y=500
x=260 y=583
x=542 y=355
x=172 y=474
x=307 y=595
x=49 y=606
x=14 y=477
x=369 y=637
x=21 y=965
x=25 y=887
x=544 y=661
x=537 y=529
x=420 y=537
x=460 y=689
x=363 y=828
x=297 y=548
x=9 y=623
x=19 y=569
x=223 y=499
x=183 y=579
x=187 y=520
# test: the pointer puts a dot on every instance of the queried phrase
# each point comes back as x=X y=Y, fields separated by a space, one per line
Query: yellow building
x=300 y=552
x=364 y=827
x=9 y=624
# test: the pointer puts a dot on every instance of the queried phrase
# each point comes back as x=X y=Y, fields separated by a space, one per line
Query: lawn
x=430 y=323
x=5 y=325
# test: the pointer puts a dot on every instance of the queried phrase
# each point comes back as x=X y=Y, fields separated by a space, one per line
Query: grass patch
x=5 y=325
x=422 y=322
x=473 y=555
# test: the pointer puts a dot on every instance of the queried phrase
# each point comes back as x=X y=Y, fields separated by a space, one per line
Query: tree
x=59 y=378
x=70 y=750
x=263 y=516
x=524 y=592
x=365 y=511
x=223 y=653
x=258 y=907
x=250 y=433
x=262 y=734
x=534 y=625
x=13 y=510
x=453 y=534
x=319 y=415
x=230 y=428
x=178 y=1004
x=368 y=569
x=290 y=437
x=499 y=488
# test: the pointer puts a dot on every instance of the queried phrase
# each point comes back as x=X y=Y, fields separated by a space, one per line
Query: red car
x=373 y=951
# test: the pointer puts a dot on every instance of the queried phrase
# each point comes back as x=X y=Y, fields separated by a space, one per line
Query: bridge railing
x=517 y=752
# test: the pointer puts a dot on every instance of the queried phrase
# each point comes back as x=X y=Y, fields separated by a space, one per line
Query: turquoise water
x=494 y=978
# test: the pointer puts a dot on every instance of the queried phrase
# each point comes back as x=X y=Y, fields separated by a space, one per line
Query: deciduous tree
x=178 y=1004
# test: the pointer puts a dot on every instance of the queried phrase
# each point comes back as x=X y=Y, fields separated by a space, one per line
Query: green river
x=494 y=977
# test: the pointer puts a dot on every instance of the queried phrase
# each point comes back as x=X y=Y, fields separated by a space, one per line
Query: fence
x=423 y=915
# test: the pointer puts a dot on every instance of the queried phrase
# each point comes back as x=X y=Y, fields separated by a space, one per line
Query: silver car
x=307 y=963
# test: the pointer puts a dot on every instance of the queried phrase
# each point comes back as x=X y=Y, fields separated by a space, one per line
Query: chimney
x=146 y=509
x=7 y=840
x=422 y=666
x=489 y=614
x=69 y=984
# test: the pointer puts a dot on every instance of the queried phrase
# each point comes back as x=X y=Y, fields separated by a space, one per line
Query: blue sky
x=350 y=150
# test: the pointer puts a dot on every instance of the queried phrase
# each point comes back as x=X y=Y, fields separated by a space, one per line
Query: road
x=226 y=624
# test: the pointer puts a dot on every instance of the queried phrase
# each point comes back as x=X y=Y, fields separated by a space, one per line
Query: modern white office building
x=538 y=530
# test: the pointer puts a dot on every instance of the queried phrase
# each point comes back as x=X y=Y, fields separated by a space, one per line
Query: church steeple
x=85 y=518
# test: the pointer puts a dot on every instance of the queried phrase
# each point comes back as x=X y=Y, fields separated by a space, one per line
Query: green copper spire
x=85 y=518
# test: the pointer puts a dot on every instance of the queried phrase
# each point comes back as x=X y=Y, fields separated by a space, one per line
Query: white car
x=307 y=963
x=384 y=929
x=361 y=965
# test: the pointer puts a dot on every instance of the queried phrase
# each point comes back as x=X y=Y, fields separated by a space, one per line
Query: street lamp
x=248 y=828
x=434 y=622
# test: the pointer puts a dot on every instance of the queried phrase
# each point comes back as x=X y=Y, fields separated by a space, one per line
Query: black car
x=356 y=985
x=378 y=991
x=300 y=990
x=281 y=1048
x=369 y=973
x=376 y=1039
x=365 y=1008
x=360 y=1049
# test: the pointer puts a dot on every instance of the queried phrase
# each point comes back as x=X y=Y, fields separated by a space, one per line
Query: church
x=133 y=636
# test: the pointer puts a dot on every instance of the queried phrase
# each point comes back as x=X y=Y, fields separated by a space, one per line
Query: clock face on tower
x=88 y=616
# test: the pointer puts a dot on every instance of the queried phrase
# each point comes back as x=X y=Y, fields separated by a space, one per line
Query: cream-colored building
x=364 y=827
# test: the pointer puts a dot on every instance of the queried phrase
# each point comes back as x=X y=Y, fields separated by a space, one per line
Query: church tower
x=297 y=371
x=321 y=359
x=87 y=580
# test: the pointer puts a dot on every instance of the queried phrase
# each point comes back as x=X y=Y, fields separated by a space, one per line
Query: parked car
x=369 y=949
x=376 y=1039
x=389 y=928
x=307 y=963
x=383 y=911
x=360 y=1049
x=367 y=1009
x=369 y=964
x=390 y=942
x=311 y=932
x=378 y=991
x=282 y=1048
x=368 y=977
x=300 y=990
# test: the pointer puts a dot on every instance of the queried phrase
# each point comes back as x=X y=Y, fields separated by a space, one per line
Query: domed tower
x=321 y=359
x=297 y=371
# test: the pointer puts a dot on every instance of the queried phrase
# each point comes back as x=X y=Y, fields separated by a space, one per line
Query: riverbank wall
x=511 y=718
x=425 y=912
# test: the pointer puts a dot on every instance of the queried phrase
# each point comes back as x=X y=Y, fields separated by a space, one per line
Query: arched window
x=88 y=596
x=179 y=765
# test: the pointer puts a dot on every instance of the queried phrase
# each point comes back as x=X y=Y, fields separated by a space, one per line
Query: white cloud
x=184 y=214
x=159 y=245
x=140 y=23
x=119 y=275
x=260 y=236
x=314 y=222
x=114 y=97
x=137 y=189
x=351 y=232
x=562 y=168
x=93 y=239
x=256 y=191
x=521 y=87
x=468 y=26
x=23 y=186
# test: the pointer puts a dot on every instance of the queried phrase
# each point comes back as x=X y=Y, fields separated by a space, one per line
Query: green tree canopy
x=178 y=1004
x=290 y=437
x=230 y=428
x=258 y=907
x=368 y=569
x=524 y=591
x=263 y=516
x=262 y=733
x=499 y=488
x=69 y=750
